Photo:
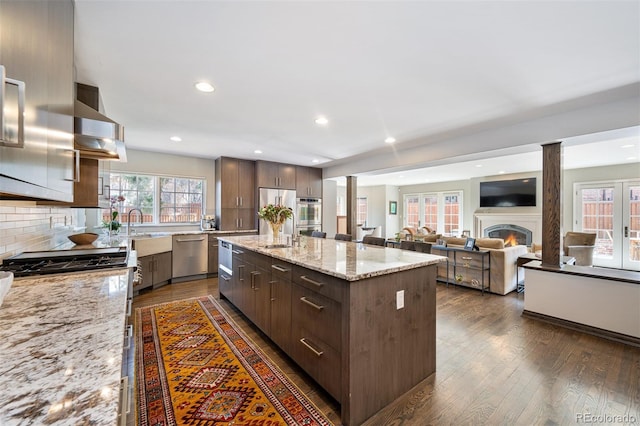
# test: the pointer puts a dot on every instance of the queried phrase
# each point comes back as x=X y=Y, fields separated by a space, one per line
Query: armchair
x=580 y=245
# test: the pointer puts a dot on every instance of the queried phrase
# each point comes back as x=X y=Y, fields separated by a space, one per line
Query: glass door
x=612 y=211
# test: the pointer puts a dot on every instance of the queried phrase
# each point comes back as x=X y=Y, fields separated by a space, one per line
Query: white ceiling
x=375 y=69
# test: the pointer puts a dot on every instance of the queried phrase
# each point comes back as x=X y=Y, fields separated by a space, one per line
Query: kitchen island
x=358 y=319
x=61 y=350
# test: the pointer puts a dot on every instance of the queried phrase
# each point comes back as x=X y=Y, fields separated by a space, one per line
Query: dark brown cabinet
x=36 y=48
x=155 y=270
x=235 y=194
x=308 y=182
x=275 y=175
x=280 y=292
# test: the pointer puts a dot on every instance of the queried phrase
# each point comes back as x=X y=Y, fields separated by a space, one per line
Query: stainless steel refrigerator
x=285 y=197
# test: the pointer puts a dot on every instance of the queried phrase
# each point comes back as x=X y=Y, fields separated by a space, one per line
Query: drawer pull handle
x=279 y=268
x=310 y=303
x=467 y=258
x=311 y=348
x=225 y=278
x=236 y=252
x=181 y=240
x=310 y=281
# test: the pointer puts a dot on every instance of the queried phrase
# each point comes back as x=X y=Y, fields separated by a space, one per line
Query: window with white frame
x=362 y=210
x=162 y=199
x=440 y=211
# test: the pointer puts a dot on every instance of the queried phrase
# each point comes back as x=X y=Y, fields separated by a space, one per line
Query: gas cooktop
x=60 y=261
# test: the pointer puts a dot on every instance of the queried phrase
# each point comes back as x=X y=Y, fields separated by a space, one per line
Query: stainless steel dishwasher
x=190 y=256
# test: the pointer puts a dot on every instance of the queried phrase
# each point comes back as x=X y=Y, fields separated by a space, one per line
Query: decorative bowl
x=83 y=239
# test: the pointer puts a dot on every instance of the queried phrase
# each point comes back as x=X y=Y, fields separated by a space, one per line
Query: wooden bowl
x=83 y=239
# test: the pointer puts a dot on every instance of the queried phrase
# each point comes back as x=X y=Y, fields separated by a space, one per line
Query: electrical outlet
x=400 y=299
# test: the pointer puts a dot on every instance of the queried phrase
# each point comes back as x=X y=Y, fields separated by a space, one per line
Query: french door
x=441 y=211
x=612 y=211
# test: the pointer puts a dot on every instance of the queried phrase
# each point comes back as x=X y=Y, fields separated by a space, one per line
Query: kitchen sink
x=274 y=246
x=146 y=244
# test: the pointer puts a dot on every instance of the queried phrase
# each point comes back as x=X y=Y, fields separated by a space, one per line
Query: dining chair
x=373 y=241
x=423 y=247
x=319 y=234
x=343 y=237
x=408 y=245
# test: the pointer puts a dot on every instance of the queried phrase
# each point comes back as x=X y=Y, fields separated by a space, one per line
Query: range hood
x=96 y=135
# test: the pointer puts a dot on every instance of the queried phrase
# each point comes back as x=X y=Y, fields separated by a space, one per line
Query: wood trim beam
x=352 y=205
x=551 y=204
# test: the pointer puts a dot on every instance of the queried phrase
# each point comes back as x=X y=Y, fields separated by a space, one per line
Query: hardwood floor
x=493 y=366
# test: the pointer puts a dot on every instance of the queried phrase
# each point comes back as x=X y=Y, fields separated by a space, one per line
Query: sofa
x=503 y=263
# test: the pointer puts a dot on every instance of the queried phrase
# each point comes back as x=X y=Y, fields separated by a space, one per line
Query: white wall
x=597 y=302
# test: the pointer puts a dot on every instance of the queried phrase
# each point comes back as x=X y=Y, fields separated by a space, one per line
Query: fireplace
x=526 y=227
x=511 y=234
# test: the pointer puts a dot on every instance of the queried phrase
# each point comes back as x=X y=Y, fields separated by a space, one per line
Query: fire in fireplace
x=511 y=234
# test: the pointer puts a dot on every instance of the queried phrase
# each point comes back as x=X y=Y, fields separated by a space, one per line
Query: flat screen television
x=508 y=193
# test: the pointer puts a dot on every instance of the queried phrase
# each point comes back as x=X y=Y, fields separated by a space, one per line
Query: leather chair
x=580 y=245
x=343 y=237
x=408 y=245
x=373 y=241
x=319 y=234
x=423 y=247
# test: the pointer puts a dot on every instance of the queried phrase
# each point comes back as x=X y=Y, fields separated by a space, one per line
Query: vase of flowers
x=275 y=215
x=112 y=225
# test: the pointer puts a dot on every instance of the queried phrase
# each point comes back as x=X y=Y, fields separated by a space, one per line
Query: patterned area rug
x=195 y=367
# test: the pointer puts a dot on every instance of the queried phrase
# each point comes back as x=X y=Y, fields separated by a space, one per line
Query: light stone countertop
x=61 y=342
x=342 y=259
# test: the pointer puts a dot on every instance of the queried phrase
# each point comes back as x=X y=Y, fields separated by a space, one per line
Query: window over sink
x=162 y=199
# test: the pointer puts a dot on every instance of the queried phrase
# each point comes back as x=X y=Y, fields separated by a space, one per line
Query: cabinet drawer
x=318 y=315
x=471 y=260
x=318 y=359
x=259 y=260
x=323 y=284
x=281 y=270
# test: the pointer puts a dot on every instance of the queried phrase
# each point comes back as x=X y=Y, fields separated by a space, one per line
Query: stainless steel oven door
x=309 y=212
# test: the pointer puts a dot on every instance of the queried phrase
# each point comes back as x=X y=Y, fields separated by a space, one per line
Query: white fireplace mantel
x=531 y=221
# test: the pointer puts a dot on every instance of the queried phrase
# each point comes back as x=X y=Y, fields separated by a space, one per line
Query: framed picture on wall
x=393 y=207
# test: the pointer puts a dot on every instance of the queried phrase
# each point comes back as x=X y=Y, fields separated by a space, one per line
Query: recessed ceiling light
x=315 y=160
x=478 y=165
x=630 y=145
x=176 y=138
x=257 y=151
x=389 y=140
x=501 y=172
x=203 y=86
x=322 y=121
x=631 y=158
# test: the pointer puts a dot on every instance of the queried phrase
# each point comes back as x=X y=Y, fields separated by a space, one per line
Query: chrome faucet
x=129 y=219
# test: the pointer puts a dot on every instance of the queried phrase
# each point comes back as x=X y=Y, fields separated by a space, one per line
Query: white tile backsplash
x=24 y=226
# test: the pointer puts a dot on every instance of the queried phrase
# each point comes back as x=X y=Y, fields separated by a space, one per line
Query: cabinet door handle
x=271 y=283
x=310 y=303
x=240 y=201
x=279 y=268
x=311 y=348
x=4 y=141
x=241 y=272
x=310 y=281
x=128 y=337
x=224 y=277
x=76 y=167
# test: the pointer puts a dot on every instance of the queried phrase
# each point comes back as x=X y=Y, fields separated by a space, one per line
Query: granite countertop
x=61 y=342
x=342 y=259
